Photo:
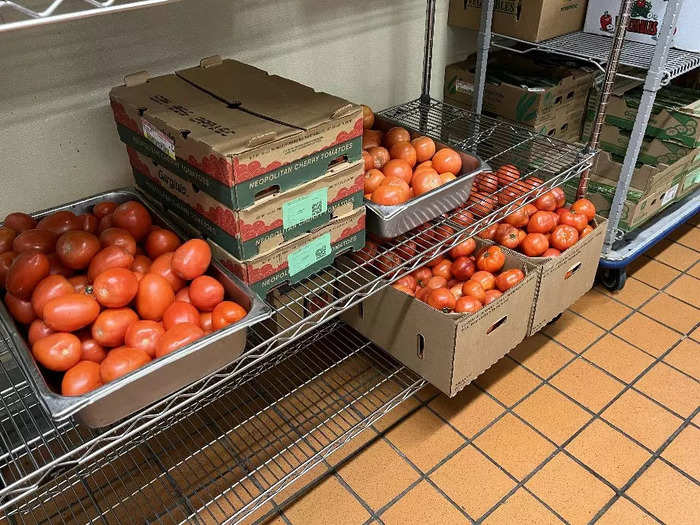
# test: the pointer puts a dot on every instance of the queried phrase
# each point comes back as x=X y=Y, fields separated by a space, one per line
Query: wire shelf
x=18 y=14
x=596 y=48
x=36 y=449
x=227 y=460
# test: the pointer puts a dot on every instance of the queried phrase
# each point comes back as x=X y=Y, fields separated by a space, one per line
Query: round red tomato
x=7 y=235
x=205 y=321
x=144 y=335
x=226 y=313
x=5 y=263
x=488 y=233
x=90 y=349
x=491 y=296
x=518 y=218
x=546 y=202
x=109 y=329
x=109 y=257
x=21 y=311
x=507 y=174
x=559 y=196
x=38 y=330
x=540 y=222
x=508 y=237
x=442 y=299
x=463 y=268
x=104 y=223
x=191 y=259
x=474 y=289
x=491 y=260
x=183 y=295
x=20 y=222
x=443 y=269
x=118 y=237
x=551 y=252
x=486 y=279
x=463 y=249
x=49 y=288
x=486 y=182
x=153 y=296
x=178 y=336
x=583 y=206
x=134 y=218
x=534 y=245
x=59 y=222
x=57 y=352
x=70 y=312
x=24 y=274
x=422 y=276
x=75 y=249
x=481 y=204
x=586 y=231
x=115 y=287
x=408 y=281
x=104 y=208
x=121 y=361
x=205 y=293
x=81 y=378
x=161 y=241
x=468 y=305
x=572 y=218
x=178 y=313
x=563 y=237
x=509 y=278
x=436 y=282
x=403 y=289
x=43 y=241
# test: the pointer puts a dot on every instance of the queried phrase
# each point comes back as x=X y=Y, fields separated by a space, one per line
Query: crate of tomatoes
x=110 y=309
x=409 y=178
x=454 y=317
x=563 y=241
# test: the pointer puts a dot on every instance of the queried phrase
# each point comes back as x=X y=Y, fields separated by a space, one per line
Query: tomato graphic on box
x=606 y=22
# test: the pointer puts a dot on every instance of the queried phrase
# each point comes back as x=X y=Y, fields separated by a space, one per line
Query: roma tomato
x=115 y=287
x=121 y=361
x=509 y=278
x=56 y=267
x=572 y=218
x=491 y=296
x=7 y=235
x=474 y=289
x=422 y=276
x=109 y=257
x=104 y=223
x=88 y=222
x=540 y=222
x=468 y=305
x=463 y=268
x=551 y=252
x=191 y=259
x=141 y=264
x=563 y=237
x=486 y=279
x=109 y=329
x=20 y=222
x=104 y=208
x=226 y=313
x=559 y=197
x=42 y=241
x=442 y=299
x=70 y=312
x=75 y=249
x=205 y=293
x=80 y=284
x=178 y=336
x=59 y=222
x=183 y=295
x=153 y=297
x=163 y=266
x=90 y=349
x=38 y=330
x=21 y=311
x=161 y=241
x=134 y=218
x=5 y=263
x=118 y=237
x=205 y=321
x=463 y=249
x=583 y=206
x=57 y=352
x=491 y=260
x=546 y=202
x=49 y=288
x=534 y=245
x=144 y=335
x=178 y=313
x=81 y=378
x=24 y=274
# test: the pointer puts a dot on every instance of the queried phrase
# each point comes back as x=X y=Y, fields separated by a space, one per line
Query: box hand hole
x=338 y=160
x=575 y=268
x=361 y=310
x=420 y=345
x=570 y=95
x=267 y=192
x=498 y=323
x=557 y=100
x=184 y=133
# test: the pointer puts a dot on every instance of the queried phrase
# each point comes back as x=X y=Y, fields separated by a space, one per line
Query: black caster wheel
x=613 y=279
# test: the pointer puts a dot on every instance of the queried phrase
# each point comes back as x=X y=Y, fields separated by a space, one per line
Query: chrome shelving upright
x=227 y=446
x=658 y=65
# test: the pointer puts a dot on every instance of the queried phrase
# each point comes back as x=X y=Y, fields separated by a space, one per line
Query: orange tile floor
x=593 y=420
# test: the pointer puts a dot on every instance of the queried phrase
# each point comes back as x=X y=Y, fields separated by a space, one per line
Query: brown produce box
x=269 y=222
x=524 y=90
x=531 y=20
x=234 y=130
x=298 y=258
x=449 y=350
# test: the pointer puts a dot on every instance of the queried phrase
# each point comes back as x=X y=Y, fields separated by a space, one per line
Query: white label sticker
x=669 y=195
x=160 y=139
x=464 y=87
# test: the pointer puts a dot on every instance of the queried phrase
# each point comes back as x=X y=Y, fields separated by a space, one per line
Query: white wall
x=57 y=137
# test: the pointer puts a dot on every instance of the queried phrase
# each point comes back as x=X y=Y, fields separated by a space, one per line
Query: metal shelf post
x=482 y=54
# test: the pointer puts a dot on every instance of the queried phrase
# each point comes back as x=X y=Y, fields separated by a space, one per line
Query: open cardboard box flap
x=269 y=96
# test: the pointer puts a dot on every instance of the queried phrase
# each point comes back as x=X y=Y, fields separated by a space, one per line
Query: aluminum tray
x=160 y=377
x=388 y=222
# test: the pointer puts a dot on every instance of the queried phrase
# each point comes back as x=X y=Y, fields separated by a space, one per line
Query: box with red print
x=236 y=131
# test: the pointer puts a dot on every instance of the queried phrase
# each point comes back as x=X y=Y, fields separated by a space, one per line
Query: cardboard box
x=270 y=221
x=524 y=90
x=653 y=151
x=563 y=280
x=301 y=257
x=531 y=20
x=645 y=22
x=691 y=180
x=449 y=350
x=234 y=130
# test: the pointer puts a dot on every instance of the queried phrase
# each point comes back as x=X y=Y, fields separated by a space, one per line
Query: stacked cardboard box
x=258 y=163
x=544 y=93
x=669 y=160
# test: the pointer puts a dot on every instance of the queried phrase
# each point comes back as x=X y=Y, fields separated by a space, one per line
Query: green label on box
x=309 y=254
x=304 y=208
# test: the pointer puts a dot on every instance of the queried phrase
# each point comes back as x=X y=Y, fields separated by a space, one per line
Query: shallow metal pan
x=160 y=377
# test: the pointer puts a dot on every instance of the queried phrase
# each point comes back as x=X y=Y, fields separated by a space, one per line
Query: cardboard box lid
x=269 y=96
x=173 y=104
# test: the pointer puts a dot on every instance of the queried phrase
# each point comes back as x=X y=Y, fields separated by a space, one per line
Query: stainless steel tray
x=158 y=378
x=388 y=222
